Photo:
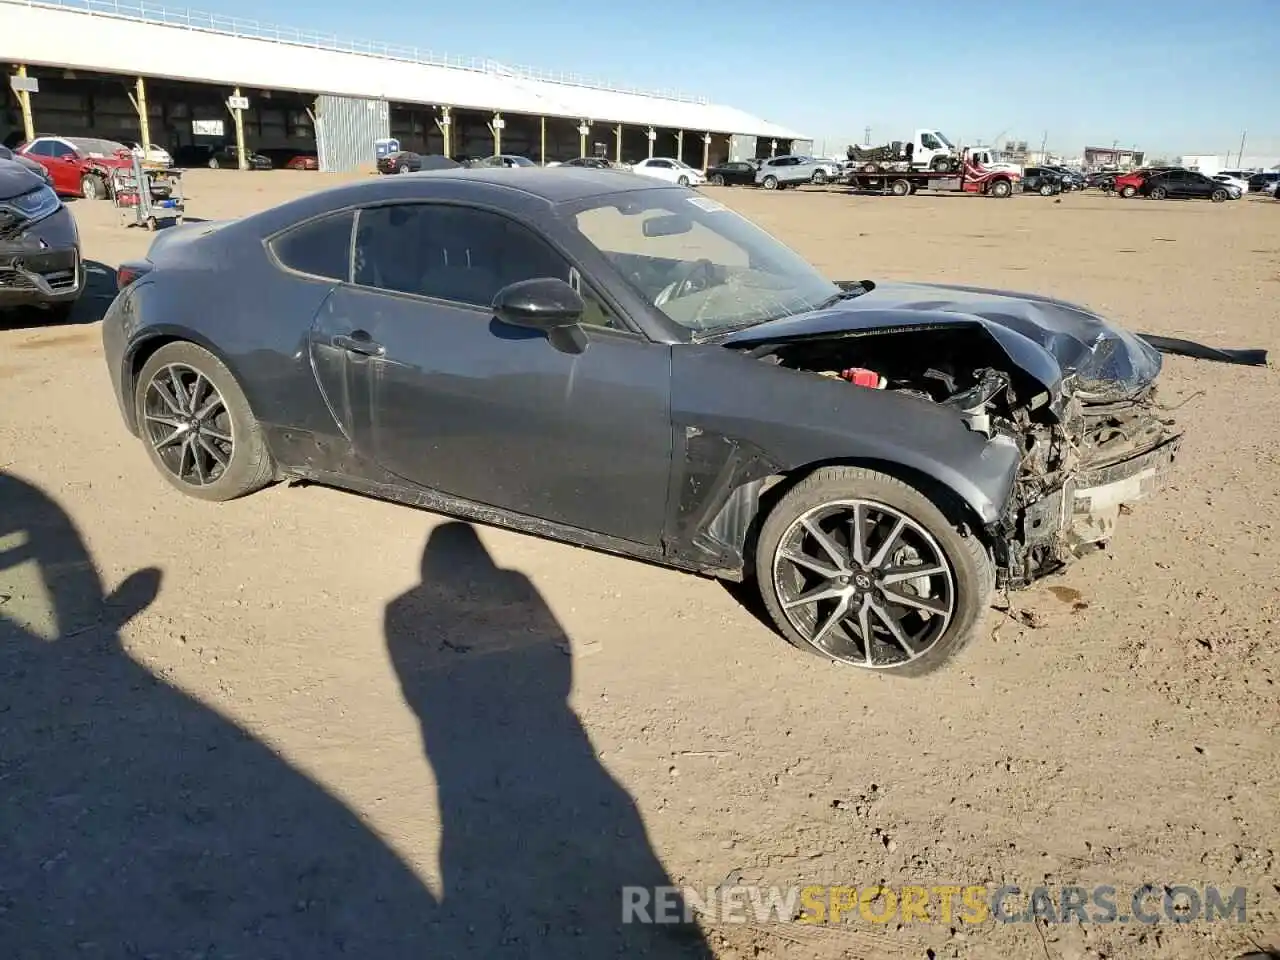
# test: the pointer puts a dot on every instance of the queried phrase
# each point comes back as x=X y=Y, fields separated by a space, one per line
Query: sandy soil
x=213 y=718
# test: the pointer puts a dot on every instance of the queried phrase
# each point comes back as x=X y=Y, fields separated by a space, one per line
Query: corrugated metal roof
x=183 y=45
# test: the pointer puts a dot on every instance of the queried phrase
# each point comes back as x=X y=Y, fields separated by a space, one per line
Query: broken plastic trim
x=1198 y=351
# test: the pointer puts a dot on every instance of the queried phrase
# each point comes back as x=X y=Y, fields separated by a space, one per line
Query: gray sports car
x=627 y=365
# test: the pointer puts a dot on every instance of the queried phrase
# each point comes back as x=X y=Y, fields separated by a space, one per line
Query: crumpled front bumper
x=40 y=262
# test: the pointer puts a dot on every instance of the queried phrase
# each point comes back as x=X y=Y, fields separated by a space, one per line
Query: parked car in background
x=1239 y=185
x=1185 y=185
x=402 y=161
x=501 y=160
x=1042 y=180
x=28 y=163
x=1071 y=179
x=78 y=166
x=40 y=261
x=1102 y=180
x=826 y=169
x=737 y=173
x=777 y=173
x=1130 y=184
x=152 y=154
x=291 y=158
x=671 y=170
x=593 y=163
x=227 y=157
x=1264 y=182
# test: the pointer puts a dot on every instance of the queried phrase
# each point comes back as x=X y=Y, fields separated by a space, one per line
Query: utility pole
x=1044 y=142
x=866 y=137
x=1240 y=155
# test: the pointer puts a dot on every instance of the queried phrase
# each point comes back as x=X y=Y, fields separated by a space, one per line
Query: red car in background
x=78 y=166
x=303 y=161
x=1129 y=184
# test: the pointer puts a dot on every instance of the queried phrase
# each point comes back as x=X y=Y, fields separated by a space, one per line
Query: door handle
x=359 y=342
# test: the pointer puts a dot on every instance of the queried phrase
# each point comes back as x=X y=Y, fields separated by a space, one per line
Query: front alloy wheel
x=862 y=568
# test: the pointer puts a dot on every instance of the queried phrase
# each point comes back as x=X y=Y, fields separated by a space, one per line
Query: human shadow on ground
x=137 y=821
x=538 y=839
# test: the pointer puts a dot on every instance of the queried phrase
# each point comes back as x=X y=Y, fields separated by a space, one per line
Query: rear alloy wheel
x=1128 y=191
x=1159 y=193
x=1219 y=196
x=819 y=177
x=92 y=187
x=770 y=182
x=1046 y=189
x=717 y=180
x=197 y=425
x=403 y=168
x=864 y=569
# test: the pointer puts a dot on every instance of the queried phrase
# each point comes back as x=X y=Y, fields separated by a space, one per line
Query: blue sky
x=1171 y=77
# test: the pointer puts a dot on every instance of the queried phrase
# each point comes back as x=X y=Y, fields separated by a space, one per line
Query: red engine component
x=862 y=377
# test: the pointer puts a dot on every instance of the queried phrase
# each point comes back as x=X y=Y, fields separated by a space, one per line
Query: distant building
x=1120 y=158
x=1212 y=163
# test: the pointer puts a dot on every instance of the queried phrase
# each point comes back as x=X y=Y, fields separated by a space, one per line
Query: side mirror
x=546 y=304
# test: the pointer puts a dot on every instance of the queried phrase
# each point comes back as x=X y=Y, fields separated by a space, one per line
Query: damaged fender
x=730 y=445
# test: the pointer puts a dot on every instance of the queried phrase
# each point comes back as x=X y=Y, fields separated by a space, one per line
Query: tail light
x=127 y=273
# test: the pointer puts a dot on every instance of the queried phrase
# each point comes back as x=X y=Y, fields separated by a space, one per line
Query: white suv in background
x=671 y=170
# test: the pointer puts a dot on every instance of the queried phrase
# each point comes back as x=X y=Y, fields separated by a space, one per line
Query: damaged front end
x=1085 y=418
x=39 y=245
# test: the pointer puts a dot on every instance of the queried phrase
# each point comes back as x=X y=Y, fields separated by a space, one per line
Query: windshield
x=702 y=265
x=93 y=147
x=943 y=137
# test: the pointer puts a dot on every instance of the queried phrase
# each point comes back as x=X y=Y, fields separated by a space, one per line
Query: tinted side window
x=41 y=148
x=321 y=247
x=451 y=253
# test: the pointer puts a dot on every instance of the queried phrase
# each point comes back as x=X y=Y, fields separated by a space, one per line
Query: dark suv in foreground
x=39 y=244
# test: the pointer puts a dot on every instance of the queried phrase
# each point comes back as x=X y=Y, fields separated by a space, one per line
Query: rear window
x=321 y=248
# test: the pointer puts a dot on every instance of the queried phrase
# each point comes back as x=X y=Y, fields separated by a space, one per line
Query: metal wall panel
x=742 y=147
x=346 y=128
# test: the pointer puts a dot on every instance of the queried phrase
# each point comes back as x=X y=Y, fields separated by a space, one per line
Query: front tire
x=1219 y=196
x=1001 y=188
x=717 y=180
x=683 y=181
x=819 y=178
x=197 y=426
x=1046 y=189
x=93 y=187
x=857 y=599
x=403 y=168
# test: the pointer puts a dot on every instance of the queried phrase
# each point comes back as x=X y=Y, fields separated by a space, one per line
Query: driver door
x=432 y=388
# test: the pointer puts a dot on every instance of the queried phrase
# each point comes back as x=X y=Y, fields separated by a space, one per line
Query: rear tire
x=248 y=466
x=1128 y=191
x=1219 y=196
x=770 y=182
x=213 y=163
x=717 y=180
x=403 y=168
x=900 y=188
x=961 y=585
x=1046 y=189
x=819 y=178
x=1159 y=193
x=683 y=181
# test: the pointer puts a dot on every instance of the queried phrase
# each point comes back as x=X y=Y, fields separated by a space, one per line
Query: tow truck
x=901 y=180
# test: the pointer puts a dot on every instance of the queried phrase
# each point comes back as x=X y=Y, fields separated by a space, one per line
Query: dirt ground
x=1117 y=725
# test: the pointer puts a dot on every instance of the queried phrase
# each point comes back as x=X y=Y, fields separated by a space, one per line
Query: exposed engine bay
x=1081 y=461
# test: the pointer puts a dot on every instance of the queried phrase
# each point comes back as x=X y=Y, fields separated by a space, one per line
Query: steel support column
x=242 y=156
x=444 y=123
x=24 y=101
